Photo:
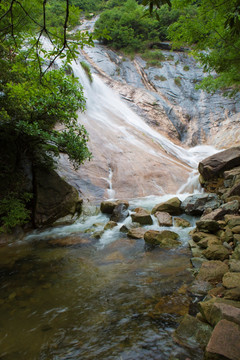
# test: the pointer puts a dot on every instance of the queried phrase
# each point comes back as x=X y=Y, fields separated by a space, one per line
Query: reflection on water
x=85 y=301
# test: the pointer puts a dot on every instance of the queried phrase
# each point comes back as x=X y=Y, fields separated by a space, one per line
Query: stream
x=68 y=294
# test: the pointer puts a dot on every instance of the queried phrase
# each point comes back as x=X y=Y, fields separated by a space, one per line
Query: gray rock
x=120 y=213
x=196 y=204
x=164 y=218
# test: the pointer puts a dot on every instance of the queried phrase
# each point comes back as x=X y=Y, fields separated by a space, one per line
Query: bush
x=160 y=77
x=177 y=81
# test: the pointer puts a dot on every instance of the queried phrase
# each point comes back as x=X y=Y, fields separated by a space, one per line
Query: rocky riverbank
x=215 y=246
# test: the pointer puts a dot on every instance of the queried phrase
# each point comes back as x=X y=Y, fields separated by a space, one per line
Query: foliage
x=212 y=29
x=160 y=77
x=87 y=70
x=177 y=81
x=129 y=26
x=34 y=99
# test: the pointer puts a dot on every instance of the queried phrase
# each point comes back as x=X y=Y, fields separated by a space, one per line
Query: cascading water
x=143 y=162
x=66 y=294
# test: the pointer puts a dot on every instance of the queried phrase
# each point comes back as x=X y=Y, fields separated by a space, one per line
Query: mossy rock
x=163 y=238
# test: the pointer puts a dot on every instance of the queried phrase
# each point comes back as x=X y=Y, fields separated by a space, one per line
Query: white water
x=100 y=99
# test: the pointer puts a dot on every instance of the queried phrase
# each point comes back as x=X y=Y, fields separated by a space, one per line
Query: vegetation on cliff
x=34 y=98
x=210 y=29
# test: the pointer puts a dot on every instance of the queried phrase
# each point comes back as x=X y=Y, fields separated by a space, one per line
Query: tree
x=212 y=30
x=34 y=98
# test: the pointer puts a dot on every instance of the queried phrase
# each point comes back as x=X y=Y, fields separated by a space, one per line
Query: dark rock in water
x=196 y=204
x=142 y=217
x=210 y=226
x=163 y=238
x=119 y=213
x=108 y=206
x=164 y=218
x=54 y=198
x=216 y=164
x=224 y=342
x=172 y=206
x=192 y=333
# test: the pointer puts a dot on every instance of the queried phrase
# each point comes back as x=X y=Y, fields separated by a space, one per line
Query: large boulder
x=224 y=342
x=215 y=165
x=196 y=204
x=163 y=238
x=172 y=206
x=142 y=217
x=54 y=198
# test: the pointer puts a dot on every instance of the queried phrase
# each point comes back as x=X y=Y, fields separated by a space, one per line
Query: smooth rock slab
x=164 y=218
x=212 y=271
x=225 y=341
x=163 y=238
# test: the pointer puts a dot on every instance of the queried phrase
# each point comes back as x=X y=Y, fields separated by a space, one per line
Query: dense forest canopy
x=210 y=28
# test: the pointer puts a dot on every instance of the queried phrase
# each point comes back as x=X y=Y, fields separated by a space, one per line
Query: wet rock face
x=190 y=115
x=54 y=198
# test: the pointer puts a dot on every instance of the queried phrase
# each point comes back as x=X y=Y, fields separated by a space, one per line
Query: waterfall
x=143 y=162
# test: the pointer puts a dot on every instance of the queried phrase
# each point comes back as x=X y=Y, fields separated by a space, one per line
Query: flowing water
x=65 y=293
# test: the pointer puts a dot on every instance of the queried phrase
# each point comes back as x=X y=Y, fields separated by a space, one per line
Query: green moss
x=160 y=77
x=186 y=68
x=177 y=81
